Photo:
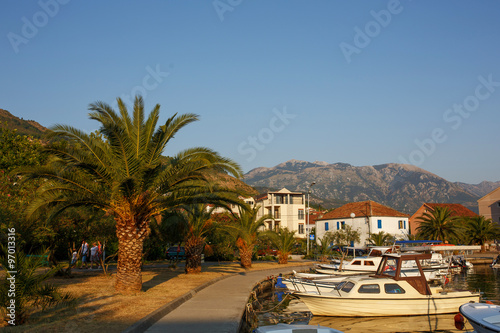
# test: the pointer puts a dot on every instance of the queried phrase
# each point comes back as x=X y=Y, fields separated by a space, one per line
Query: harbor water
x=278 y=307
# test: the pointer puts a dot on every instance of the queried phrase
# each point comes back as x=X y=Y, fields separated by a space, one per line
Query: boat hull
x=327 y=305
x=484 y=318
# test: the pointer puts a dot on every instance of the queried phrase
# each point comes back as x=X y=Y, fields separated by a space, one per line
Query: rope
x=286 y=296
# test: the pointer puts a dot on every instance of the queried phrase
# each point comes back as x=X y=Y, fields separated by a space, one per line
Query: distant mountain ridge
x=400 y=186
x=25 y=127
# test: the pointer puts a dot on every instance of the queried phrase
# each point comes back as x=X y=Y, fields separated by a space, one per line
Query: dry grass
x=99 y=308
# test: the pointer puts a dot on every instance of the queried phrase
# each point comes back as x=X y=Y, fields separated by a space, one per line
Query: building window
x=279 y=199
x=326 y=226
x=401 y=224
x=301 y=214
x=301 y=229
x=342 y=224
x=379 y=224
x=498 y=204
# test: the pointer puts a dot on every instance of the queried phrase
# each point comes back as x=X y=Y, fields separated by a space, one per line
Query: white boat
x=358 y=265
x=484 y=318
x=292 y=328
x=399 y=288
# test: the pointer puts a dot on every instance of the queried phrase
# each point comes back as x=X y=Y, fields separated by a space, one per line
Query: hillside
x=400 y=186
x=25 y=127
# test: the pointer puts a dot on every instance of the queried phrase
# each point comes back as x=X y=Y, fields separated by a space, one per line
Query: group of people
x=89 y=254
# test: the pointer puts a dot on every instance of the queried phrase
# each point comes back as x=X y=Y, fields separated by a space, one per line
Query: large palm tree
x=245 y=229
x=439 y=224
x=481 y=230
x=122 y=171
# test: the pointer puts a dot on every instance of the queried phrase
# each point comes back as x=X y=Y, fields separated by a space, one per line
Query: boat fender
x=459 y=321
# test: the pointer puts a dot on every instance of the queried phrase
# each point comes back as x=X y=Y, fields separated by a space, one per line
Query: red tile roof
x=363 y=208
x=457 y=209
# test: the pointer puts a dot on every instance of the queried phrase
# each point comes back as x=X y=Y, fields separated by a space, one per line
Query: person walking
x=85 y=253
x=74 y=257
x=93 y=255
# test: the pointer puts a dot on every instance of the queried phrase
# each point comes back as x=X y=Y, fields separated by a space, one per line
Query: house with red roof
x=489 y=205
x=456 y=209
x=368 y=217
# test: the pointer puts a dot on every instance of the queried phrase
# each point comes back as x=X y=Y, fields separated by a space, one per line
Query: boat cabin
x=405 y=267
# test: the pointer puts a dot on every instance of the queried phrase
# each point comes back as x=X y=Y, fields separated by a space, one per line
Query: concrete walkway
x=217 y=308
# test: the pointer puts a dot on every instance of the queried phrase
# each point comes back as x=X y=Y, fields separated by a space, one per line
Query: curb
x=148 y=321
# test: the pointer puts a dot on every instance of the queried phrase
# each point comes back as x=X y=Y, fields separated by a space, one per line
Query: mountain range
x=400 y=186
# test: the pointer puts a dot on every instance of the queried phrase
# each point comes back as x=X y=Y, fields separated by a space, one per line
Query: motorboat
x=358 y=265
x=484 y=317
x=398 y=288
x=293 y=328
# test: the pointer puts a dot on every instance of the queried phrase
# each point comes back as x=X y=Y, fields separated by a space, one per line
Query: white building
x=288 y=209
x=368 y=217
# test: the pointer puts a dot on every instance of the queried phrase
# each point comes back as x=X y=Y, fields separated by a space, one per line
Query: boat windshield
x=345 y=286
x=389 y=267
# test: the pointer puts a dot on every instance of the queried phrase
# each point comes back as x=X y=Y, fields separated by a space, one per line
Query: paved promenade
x=217 y=308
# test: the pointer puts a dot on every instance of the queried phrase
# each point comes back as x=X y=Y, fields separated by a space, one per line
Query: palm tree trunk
x=282 y=258
x=130 y=248
x=194 y=249
x=245 y=253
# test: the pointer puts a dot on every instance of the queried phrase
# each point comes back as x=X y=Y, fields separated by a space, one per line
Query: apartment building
x=287 y=208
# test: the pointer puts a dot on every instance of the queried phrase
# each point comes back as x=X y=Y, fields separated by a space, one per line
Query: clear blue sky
x=360 y=82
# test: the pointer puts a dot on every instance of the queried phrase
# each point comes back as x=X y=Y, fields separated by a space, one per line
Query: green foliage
x=283 y=240
x=18 y=150
x=31 y=289
x=439 y=224
x=345 y=236
x=381 y=238
x=480 y=230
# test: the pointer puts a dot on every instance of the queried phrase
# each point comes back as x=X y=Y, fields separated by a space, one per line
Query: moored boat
x=399 y=288
x=484 y=318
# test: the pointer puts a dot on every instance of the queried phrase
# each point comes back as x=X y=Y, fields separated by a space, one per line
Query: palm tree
x=197 y=221
x=380 y=239
x=31 y=287
x=122 y=171
x=284 y=241
x=245 y=229
x=481 y=230
x=324 y=247
x=439 y=224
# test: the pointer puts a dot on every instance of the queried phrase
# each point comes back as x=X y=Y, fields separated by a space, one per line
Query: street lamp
x=307 y=221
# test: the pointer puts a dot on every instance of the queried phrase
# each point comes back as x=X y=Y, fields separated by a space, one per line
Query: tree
x=31 y=287
x=197 y=223
x=439 y=224
x=380 y=239
x=324 y=247
x=284 y=241
x=121 y=170
x=481 y=230
x=346 y=236
x=245 y=230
